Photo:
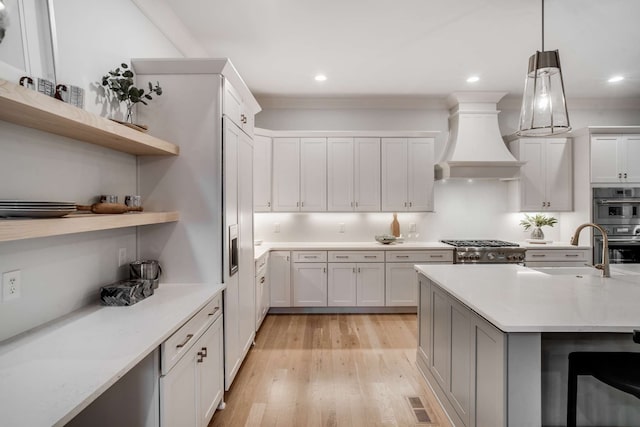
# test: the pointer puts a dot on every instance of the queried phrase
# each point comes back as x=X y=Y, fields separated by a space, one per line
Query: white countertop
x=340 y=246
x=520 y=299
x=48 y=375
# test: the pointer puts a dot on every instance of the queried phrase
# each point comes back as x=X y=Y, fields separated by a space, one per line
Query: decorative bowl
x=385 y=239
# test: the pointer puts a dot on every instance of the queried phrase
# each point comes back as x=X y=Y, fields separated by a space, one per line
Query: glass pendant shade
x=544 y=108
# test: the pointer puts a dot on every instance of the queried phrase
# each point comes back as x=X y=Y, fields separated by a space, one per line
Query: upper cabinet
x=545 y=182
x=612 y=158
x=407 y=174
x=299 y=174
x=353 y=174
x=261 y=173
x=237 y=110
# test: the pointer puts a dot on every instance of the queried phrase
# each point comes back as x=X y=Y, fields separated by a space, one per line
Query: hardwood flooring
x=330 y=370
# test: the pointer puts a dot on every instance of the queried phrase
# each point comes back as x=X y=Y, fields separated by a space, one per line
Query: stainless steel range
x=486 y=252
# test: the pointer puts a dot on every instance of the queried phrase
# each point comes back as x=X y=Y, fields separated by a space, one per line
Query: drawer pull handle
x=342 y=256
x=215 y=310
x=371 y=256
x=310 y=256
x=571 y=255
x=204 y=351
x=200 y=357
x=185 y=341
x=538 y=255
x=402 y=256
x=262 y=279
x=436 y=256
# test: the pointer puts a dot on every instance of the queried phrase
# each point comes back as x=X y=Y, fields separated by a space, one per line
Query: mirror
x=27 y=40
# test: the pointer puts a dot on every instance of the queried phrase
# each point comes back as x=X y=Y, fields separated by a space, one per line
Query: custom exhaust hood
x=475 y=149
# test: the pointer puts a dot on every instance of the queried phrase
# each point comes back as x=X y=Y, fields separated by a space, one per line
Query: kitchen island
x=494 y=340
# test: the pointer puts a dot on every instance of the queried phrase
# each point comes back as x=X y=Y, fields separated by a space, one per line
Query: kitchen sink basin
x=569 y=271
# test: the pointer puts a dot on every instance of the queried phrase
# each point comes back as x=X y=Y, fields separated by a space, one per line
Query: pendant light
x=544 y=108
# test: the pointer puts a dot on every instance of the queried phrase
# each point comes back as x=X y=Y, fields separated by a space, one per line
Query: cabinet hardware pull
x=354 y=269
x=309 y=256
x=287 y=257
x=324 y=269
x=351 y=204
x=571 y=255
x=356 y=204
x=215 y=310
x=185 y=341
x=405 y=204
x=436 y=256
x=297 y=204
x=204 y=350
x=548 y=204
x=302 y=204
x=402 y=256
x=538 y=255
x=262 y=279
x=410 y=204
x=625 y=174
x=342 y=256
x=200 y=357
x=371 y=256
x=268 y=204
x=358 y=269
x=619 y=175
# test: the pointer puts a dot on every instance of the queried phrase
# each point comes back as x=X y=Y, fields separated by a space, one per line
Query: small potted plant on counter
x=537 y=221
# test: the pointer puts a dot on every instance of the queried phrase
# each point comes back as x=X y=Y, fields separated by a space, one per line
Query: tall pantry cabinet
x=208 y=110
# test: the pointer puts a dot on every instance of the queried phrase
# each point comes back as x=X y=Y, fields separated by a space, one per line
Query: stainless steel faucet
x=604 y=265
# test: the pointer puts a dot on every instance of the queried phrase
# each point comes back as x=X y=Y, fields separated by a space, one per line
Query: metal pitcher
x=147 y=270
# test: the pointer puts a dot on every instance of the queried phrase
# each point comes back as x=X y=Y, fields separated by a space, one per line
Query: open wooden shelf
x=18 y=228
x=29 y=108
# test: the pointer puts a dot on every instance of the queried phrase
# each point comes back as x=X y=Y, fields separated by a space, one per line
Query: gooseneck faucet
x=604 y=265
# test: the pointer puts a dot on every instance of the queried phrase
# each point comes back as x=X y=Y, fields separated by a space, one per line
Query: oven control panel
x=489 y=255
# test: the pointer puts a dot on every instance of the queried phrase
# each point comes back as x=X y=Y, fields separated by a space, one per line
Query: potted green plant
x=537 y=221
x=121 y=84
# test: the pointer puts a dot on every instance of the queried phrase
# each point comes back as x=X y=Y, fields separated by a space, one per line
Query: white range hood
x=475 y=149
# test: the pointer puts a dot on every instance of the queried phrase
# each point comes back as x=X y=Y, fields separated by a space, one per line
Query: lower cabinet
x=192 y=384
x=309 y=284
x=402 y=286
x=463 y=356
x=557 y=257
x=356 y=284
x=280 y=279
x=263 y=293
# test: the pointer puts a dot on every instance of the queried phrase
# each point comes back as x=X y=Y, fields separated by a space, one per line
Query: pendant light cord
x=543 y=25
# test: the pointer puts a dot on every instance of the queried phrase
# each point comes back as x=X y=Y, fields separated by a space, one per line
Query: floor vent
x=419 y=411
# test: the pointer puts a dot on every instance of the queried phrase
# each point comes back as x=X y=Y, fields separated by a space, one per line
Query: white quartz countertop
x=48 y=375
x=520 y=299
x=340 y=246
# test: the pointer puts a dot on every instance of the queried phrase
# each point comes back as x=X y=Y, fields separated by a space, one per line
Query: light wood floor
x=330 y=370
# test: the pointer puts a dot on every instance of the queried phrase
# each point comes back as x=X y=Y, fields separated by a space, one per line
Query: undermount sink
x=569 y=271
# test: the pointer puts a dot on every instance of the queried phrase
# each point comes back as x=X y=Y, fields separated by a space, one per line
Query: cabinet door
x=266 y=290
x=313 y=174
x=424 y=319
x=232 y=104
x=367 y=174
x=394 y=174
x=341 y=284
x=309 y=284
x=631 y=167
x=259 y=295
x=286 y=174
x=532 y=174
x=604 y=159
x=420 y=170
x=280 y=278
x=370 y=284
x=490 y=371
x=231 y=143
x=402 y=285
x=460 y=390
x=441 y=337
x=179 y=393
x=340 y=174
x=262 y=173
x=559 y=174
x=210 y=375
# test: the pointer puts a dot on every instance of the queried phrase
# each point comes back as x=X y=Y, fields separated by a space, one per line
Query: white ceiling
x=423 y=48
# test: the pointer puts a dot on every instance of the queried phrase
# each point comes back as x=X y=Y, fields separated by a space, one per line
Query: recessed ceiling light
x=473 y=79
x=615 y=79
x=320 y=78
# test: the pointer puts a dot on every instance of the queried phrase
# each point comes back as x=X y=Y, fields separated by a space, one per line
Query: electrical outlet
x=11 y=285
x=412 y=228
x=276 y=227
x=122 y=256
x=341 y=227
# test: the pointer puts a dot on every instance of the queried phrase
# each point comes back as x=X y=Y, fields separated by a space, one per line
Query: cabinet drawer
x=557 y=255
x=359 y=256
x=310 y=256
x=179 y=343
x=261 y=263
x=420 y=256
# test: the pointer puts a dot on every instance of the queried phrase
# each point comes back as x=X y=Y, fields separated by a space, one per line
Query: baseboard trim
x=343 y=310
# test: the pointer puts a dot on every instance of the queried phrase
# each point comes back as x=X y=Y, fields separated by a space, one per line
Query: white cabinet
x=280 y=278
x=401 y=277
x=353 y=174
x=262 y=173
x=463 y=357
x=546 y=179
x=407 y=174
x=262 y=289
x=342 y=284
x=309 y=282
x=356 y=284
x=192 y=381
x=614 y=159
x=370 y=285
x=299 y=174
x=237 y=110
x=557 y=257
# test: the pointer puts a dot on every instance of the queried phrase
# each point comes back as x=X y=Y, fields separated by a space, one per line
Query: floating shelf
x=29 y=108
x=19 y=229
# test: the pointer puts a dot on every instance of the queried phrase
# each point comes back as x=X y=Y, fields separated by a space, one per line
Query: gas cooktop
x=486 y=252
x=479 y=243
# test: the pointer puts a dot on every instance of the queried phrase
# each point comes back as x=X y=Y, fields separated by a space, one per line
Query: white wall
x=60 y=274
x=479 y=209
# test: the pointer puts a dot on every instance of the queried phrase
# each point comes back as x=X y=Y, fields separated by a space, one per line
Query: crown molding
x=359 y=102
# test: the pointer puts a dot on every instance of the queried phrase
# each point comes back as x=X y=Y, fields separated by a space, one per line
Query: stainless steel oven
x=617 y=210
